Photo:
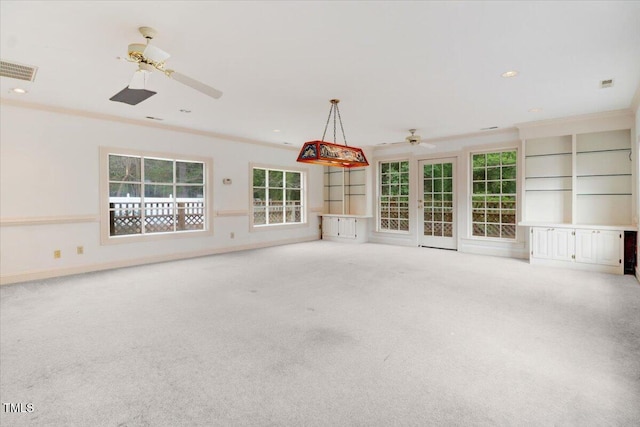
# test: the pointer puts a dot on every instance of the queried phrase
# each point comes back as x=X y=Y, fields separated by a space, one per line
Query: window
x=153 y=194
x=277 y=197
x=493 y=197
x=393 y=210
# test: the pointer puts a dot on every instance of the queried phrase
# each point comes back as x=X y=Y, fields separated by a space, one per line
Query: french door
x=436 y=204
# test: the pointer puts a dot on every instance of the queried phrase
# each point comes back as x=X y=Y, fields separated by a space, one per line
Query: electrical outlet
x=80 y=250
x=232 y=235
x=57 y=254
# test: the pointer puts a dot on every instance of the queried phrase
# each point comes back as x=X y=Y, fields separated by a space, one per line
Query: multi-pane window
x=277 y=197
x=393 y=209
x=155 y=195
x=493 y=195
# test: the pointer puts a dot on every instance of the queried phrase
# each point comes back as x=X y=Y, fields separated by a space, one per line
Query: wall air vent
x=17 y=71
x=606 y=83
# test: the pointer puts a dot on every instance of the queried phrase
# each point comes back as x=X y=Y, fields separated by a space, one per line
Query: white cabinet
x=599 y=247
x=594 y=249
x=345 y=228
x=552 y=243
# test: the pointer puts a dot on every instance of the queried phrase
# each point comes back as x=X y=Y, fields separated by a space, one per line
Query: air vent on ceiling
x=17 y=71
x=490 y=128
x=606 y=83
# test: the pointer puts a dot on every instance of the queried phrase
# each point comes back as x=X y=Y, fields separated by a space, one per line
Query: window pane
x=479 y=174
x=259 y=178
x=493 y=173
x=493 y=159
x=509 y=158
x=156 y=170
x=275 y=179
x=447 y=185
x=190 y=216
x=158 y=191
x=508 y=172
x=124 y=190
x=190 y=191
x=293 y=196
x=479 y=160
x=509 y=187
x=189 y=173
x=293 y=179
x=125 y=219
x=259 y=196
x=447 y=170
x=259 y=216
x=124 y=168
x=479 y=188
x=428 y=171
x=437 y=171
x=493 y=187
x=275 y=195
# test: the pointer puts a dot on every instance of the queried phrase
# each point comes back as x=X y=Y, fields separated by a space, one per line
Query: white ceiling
x=434 y=66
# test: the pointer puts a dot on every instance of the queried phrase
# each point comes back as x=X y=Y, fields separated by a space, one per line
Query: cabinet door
x=541 y=243
x=608 y=245
x=586 y=246
x=347 y=228
x=562 y=244
x=329 y=226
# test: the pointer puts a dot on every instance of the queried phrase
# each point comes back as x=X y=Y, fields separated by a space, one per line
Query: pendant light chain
x=336 y=115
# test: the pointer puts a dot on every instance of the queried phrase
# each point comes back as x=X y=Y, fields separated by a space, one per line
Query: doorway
x=437 y=213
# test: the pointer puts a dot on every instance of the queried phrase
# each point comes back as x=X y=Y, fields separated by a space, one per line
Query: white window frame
x=518 y=166
x=107 y=239
x=303 y=198
x=379 y=197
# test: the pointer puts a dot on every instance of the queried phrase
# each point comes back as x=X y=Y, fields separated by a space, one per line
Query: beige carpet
x=324 y=334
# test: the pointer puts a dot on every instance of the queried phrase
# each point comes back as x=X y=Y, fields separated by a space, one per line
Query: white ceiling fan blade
x=200 y=87
x=427 y=145
x=155 y=54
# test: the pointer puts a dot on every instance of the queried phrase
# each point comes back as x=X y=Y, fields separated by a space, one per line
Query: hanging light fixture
x=332 y=154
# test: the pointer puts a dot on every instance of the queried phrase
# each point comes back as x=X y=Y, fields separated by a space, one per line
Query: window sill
x=272 y=227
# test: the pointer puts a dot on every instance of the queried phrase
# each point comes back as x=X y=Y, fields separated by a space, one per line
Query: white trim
x=231 y=213
x=151 y=124
x=587 y=123
x=47 y=274
x=47 y=220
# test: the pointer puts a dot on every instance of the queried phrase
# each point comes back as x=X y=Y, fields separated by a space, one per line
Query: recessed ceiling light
x=19 y=90
x=511 y=73
x=535 y=110
x=276 y=130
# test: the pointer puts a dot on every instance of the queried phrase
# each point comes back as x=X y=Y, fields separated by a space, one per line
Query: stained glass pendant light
x=332 y=154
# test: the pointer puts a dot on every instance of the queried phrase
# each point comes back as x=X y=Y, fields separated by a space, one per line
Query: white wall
x=50 y=199
x=461 y=149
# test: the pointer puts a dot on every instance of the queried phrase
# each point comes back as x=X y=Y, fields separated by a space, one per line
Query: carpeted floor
x=324 y=334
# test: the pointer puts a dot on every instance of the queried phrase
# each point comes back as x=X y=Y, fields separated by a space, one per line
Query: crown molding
x=572 y=119
x=138 y=122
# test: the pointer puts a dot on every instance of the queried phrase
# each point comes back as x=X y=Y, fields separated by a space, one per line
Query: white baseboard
x=48 y=274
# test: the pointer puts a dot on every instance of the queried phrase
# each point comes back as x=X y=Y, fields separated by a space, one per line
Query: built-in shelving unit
x=549 y=179
x=604 y=178
x=579 y=191
x=582 y=179
x=344 y=190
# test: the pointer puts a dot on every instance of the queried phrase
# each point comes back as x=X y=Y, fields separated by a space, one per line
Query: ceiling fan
x=413 y=139
x=150 y=58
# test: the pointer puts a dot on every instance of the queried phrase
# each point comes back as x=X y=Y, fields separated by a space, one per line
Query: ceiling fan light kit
x=330 y=153
x=150 y=58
